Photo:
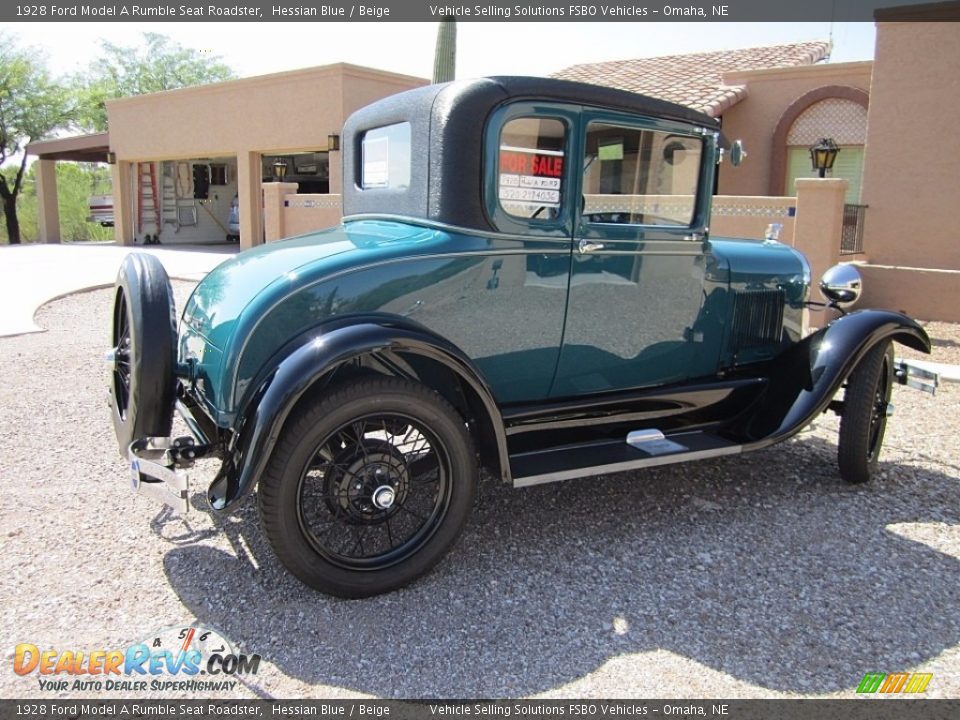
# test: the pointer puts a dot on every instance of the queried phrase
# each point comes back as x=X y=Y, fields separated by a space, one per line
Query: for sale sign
x=530 y=178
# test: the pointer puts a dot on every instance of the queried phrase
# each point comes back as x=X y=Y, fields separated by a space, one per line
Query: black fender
x=805 y=377
x=317 y=353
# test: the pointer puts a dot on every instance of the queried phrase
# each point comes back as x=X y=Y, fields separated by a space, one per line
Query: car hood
x=276 y=269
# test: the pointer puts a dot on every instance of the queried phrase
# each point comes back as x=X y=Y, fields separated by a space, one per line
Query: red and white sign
x=530 y=176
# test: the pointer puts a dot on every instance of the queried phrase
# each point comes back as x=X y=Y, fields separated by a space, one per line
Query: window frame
x=497 y=215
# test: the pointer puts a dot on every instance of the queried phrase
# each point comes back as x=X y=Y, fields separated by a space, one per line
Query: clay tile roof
x=695 y=80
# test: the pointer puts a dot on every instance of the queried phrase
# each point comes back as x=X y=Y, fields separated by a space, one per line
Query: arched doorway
x=837 y=111
x=843 y=120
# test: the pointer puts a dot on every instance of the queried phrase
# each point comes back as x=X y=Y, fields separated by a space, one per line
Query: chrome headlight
x=841 y=285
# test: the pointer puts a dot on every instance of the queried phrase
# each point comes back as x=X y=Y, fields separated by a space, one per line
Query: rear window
x=385 y=157
x=531 y=167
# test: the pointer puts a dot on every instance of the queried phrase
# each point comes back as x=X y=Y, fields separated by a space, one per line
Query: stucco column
x=48 y=210
x=123 y=231
x=274 y=227
x=817 y=232
x=250 y=196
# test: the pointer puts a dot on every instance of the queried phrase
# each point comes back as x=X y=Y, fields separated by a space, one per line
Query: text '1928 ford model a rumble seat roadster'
x=523 y=281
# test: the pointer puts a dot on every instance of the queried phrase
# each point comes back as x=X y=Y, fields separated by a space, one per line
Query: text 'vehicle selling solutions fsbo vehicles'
x=523 y=281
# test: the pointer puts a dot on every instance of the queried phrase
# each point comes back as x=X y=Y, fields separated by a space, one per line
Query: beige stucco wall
x=282 y=112
x=755 y=118
x=305 y=213
x=919 y=292
x=286 y=213
x=748 y=217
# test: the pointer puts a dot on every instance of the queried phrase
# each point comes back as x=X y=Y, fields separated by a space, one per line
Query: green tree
x=158 y=64
x=76 y=182
x=32 y=107
x=445 y=54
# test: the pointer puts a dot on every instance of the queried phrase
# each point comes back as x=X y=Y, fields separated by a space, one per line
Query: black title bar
x=483 y=11
x=853 y=709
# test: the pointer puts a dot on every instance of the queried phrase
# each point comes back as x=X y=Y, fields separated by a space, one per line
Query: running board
x=643 y=448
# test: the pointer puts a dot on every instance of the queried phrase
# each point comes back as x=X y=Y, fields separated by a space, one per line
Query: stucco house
x=779 y=99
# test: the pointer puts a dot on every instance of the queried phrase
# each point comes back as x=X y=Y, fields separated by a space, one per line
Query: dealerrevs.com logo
x=191 y=658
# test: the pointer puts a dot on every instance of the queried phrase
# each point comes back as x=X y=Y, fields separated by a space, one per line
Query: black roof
x=447 y=123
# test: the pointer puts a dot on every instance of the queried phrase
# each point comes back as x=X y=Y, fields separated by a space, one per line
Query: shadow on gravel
x=791 y=583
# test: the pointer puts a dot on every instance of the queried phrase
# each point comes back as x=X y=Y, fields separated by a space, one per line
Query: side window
x=385 y=157
x=637 y=176
x=531 y=167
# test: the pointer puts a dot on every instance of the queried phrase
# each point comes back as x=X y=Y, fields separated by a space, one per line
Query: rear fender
x=317 y=353
x=806 y=376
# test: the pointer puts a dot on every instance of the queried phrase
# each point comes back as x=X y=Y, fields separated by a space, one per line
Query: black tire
x=371 y=451
x=864 y=419
x=142 y=378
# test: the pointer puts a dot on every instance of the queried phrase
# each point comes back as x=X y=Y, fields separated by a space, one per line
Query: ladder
x=149 y=203
x=168 y=197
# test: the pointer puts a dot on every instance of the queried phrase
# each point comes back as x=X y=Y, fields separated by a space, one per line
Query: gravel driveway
x=755 y=576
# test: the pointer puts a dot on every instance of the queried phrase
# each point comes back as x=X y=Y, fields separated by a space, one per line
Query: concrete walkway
x=31 y=275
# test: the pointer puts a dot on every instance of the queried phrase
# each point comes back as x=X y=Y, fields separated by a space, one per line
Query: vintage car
x=524 y=281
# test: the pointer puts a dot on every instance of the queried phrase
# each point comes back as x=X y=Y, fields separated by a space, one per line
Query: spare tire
x=142 y=378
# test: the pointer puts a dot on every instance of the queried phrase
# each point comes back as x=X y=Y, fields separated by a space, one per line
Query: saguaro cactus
x=445 y=55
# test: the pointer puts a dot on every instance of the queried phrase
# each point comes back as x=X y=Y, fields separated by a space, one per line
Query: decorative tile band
x=680 y=206
x=754 y=211
x=329 y=202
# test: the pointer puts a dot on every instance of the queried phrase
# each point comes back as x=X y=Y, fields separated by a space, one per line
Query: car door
x=635 y=308
x=513 y=325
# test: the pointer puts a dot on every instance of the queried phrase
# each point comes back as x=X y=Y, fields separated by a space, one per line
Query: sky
x=498 y=48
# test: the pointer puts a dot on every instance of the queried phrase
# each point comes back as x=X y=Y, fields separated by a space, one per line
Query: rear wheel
x=369 y=487
x=142 y=380
x=864 y=420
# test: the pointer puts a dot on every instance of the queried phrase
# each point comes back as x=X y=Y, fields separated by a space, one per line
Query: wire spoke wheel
x=370 y=497
x=369 y=486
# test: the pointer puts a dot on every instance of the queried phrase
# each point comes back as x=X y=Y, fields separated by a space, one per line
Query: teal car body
x=502 y=300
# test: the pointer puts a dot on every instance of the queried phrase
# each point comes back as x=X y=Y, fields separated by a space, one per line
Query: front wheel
x=368 y=488
x=866 y=403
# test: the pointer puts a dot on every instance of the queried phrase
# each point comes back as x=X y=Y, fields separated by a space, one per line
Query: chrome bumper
x=911 y=374
x=152 y=473
x=155 y=461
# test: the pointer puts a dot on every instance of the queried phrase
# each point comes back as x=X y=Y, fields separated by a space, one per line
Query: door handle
x=588 y=246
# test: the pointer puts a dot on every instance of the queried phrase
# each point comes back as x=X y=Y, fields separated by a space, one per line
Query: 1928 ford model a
x=523 y=281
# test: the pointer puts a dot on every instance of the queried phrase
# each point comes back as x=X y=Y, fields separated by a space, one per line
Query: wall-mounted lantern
x=279 y=169
x=823 y=155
